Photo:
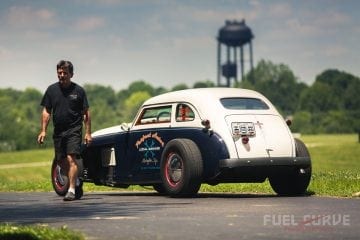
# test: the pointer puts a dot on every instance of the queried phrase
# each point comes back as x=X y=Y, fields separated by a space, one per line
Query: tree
x=133 y=103
x=278 y=83
x=19 y=121
x=337 y=122
x=180 y=86
x=138 y=86
x=95 y=92
x=204 y=84
x=330 y=105
x=141 y=86
x=318 y=98
x=332 y=90
x=302 y=122
x=352 y=96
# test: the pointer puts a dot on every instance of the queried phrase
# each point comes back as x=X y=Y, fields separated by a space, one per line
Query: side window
x=155 y=115
x=184 y=113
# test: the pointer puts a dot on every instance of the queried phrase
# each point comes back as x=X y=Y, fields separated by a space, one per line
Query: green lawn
x=336 y=164
x=335 y=159
x=21 y=232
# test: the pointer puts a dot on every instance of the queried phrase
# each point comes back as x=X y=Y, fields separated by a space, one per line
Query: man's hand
x=41 y=137
x=45 y=117
x=87 y=138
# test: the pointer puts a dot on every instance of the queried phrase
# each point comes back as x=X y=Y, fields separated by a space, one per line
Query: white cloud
x=331 y=19
x=6 y=54
x=25 y=17
x=335 y=51
x=215 y=16
x=300 y=28
x=315 y=23
x=280 y=10
x=89 y=23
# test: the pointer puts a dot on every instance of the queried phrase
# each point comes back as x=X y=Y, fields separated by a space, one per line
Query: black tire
x=293 y=183
x=159 y=188
x=59 y=179
x=181 y=168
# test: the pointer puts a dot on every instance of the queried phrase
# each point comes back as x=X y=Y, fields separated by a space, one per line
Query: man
x=68 y=104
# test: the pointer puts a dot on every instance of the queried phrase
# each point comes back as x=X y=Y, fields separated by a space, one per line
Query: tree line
x=330 y=105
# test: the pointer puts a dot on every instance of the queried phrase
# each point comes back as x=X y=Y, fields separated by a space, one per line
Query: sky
x=169 y=42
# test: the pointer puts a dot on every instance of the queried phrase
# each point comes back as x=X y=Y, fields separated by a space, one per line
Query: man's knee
x=76 y=164
x=71 y=159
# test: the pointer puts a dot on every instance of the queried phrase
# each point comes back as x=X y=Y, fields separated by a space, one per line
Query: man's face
x=64 y=77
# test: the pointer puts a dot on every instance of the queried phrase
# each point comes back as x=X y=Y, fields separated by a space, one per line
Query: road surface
x=119 y=215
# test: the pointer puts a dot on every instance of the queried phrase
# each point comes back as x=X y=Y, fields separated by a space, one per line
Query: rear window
x=184 y=113
x=244 y=104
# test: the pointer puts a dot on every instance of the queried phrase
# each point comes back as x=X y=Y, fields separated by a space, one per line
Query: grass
x=336 y=164
x=335 y=160
x=38 y=155
x=39 y=232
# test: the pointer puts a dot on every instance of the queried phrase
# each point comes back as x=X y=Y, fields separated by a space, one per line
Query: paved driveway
x=208 y=216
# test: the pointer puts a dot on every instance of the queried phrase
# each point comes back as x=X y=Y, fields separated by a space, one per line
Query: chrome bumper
x=266 y=161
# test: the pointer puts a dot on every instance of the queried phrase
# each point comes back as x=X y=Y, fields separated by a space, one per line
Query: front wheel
x=181 y=168
x=295 y=182
x=59 y=179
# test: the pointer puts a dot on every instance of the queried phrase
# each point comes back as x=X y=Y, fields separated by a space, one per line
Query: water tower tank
x=235 y=33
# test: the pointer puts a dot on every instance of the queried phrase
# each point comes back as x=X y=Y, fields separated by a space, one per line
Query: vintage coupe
x=179 y=140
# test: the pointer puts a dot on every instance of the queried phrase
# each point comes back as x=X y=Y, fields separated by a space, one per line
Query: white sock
x=72 y=190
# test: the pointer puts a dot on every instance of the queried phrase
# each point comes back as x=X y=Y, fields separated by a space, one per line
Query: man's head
x=65 y=71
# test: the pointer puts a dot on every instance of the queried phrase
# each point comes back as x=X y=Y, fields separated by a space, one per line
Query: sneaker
x=69 y=196
x=79 y=191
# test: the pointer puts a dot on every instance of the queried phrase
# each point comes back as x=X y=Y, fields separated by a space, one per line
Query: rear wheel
x=181 y=168
x=59 y=179
x=159 y=188
x=295 y=182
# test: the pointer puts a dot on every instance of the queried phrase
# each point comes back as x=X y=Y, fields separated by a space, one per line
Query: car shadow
x=204 y=194
x=250 y=195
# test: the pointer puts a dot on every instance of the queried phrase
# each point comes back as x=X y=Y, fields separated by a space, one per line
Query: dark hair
x=65 y=64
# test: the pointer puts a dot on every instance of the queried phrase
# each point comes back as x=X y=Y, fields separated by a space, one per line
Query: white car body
x=273 y=137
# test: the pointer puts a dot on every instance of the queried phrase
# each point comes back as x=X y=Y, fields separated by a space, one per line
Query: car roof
x=197 y=96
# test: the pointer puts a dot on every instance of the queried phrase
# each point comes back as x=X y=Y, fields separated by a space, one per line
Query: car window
x=244 y=103
x=155 y=115
x=184 y=113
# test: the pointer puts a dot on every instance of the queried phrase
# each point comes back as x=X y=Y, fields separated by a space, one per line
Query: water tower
x=234 y=35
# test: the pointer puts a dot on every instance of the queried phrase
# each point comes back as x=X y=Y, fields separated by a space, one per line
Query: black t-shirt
x=67 y=105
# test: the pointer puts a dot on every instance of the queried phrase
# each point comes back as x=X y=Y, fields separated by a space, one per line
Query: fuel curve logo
x=149 y=144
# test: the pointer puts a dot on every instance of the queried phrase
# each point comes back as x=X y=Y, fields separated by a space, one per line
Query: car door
x=146 y=142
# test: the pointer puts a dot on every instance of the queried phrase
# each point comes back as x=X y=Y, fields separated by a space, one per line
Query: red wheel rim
x=174 y=169
x=59 y=181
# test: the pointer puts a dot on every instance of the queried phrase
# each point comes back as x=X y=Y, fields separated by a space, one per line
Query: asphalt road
x=118 y=215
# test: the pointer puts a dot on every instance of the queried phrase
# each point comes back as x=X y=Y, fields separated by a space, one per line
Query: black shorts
x=67 y=142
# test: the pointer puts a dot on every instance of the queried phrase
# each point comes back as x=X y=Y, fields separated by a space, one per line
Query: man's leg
x=72 y=174
x=61 y=157
x=73 y=142
x=73 y=170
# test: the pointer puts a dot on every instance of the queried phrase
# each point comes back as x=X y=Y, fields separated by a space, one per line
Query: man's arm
x=45 y=118
x=87 y=123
